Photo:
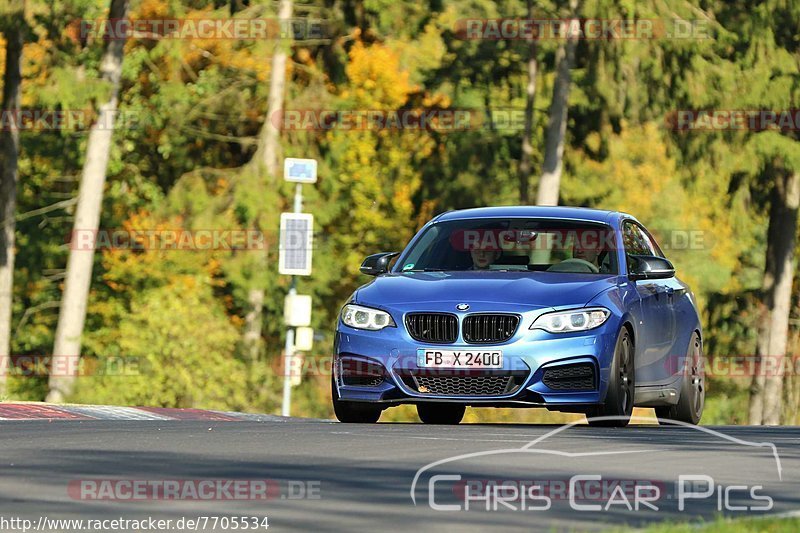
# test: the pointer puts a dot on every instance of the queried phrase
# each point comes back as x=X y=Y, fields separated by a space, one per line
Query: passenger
x=483 y=258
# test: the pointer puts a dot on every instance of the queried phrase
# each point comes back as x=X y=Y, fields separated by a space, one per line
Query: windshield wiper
x=426 y=270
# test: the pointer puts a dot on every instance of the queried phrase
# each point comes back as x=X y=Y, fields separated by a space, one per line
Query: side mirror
x=377 y=263
x=649 y=267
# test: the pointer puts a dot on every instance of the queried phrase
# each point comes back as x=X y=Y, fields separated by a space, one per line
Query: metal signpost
x=295 y=260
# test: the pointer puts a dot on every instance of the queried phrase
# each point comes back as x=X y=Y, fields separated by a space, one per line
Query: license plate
x=427 y=358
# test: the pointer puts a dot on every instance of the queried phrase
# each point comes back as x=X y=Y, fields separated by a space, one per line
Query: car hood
x=526 y=289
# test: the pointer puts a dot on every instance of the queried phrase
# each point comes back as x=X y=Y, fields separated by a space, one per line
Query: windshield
x=513 y=244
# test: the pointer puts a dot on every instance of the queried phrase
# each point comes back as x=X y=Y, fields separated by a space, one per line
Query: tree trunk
x=791 y=385
x=268 y=153
x=72 y=314
x=550 y=182
x=767 y=386
x=9 y=152
x=530 y=96
x=267 y=158
x=238 y=5
x=253 y=321
x=757 y=382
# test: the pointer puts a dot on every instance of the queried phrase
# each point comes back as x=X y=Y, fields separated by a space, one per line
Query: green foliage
x=727 y=402
x=727 y=525
x=638 y=175
x=193 y=109
x=182 y=349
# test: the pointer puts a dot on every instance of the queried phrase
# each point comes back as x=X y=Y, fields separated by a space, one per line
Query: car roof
x=575 y=213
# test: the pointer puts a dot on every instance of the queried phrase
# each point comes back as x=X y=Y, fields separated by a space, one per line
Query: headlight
x=359 y=317
x=569 y=321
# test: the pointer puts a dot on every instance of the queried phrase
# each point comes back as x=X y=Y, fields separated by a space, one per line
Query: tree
x=72 y=314
x=9 y=152
x=550 y=182
x=379 y=171
x=200 y=161
x=268 y=153
x=767 y=390
x=267 y=158
x=765 y=77
x=530 y=97
x=150 y=357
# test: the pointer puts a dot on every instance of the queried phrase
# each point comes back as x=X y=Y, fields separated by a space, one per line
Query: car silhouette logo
x=462 y=307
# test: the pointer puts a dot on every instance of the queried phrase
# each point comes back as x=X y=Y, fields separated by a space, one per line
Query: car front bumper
x=530 y=358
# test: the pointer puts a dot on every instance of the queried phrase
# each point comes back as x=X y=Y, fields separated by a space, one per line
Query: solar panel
x=300 y=170
x=294 y=256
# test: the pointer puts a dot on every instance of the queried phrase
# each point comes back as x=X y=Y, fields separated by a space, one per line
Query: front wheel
x=621 y=386
x=441 y=413
x=353 y=412
x=690 y=405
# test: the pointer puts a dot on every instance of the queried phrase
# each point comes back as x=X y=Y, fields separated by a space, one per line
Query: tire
x=441 y=413
x=689 y=408
x=353 y=412
x=621 y=386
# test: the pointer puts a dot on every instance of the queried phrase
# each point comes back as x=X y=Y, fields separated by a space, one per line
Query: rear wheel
x=441 y=413
x=353 y=412
x=621 y=386
x=690 y=405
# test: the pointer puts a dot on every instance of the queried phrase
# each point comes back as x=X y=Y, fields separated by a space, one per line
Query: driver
x=587 y=252
x=483 y=256
x=482 y=259
x=592 y=252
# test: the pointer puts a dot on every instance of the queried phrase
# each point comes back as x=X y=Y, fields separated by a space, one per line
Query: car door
x=657 y=322
x=675 y=329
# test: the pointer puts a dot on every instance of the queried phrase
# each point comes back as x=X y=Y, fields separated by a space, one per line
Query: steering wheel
x=574 y=265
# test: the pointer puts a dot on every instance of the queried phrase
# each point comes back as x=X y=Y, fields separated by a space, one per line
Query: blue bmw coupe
x=570 y=309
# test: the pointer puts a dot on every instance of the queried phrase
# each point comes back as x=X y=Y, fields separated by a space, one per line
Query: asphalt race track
x=330 y=476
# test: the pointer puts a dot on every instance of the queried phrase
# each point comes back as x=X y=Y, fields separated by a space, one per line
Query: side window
x=653 y=244
x=423 y=249
x=646 y=242
x=636 y=241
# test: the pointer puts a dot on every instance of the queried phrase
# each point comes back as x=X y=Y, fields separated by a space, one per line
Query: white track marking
x=110 y=412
